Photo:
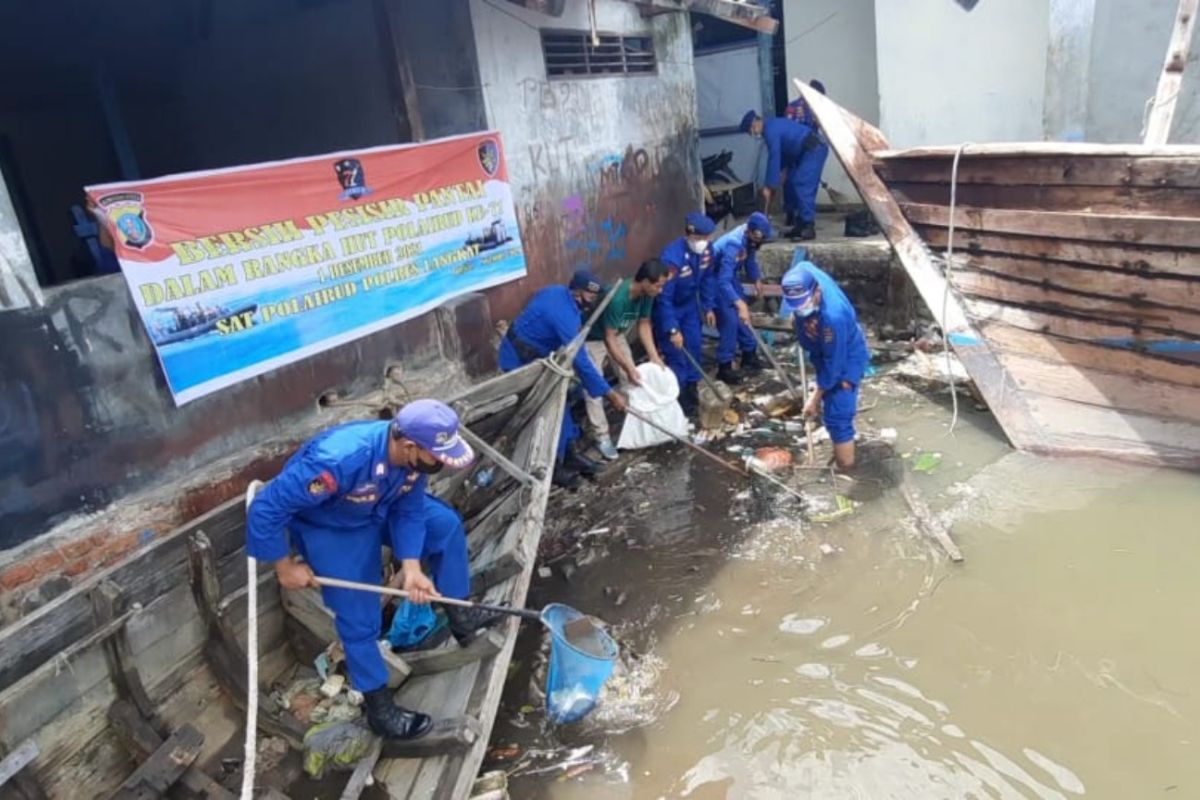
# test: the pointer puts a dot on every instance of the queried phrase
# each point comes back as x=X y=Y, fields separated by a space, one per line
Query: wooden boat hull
x=1074 y=297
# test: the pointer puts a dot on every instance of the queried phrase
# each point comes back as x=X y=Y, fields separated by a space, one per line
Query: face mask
x=697 y=247
x=752 y=245
x=428 y=469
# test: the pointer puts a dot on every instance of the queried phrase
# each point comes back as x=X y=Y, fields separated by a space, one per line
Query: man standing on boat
x=797 y=148
x=345 y=494
x=632 y=304
x=550 y=320
x=827 y=328
x=735 y=254
x=676 y=316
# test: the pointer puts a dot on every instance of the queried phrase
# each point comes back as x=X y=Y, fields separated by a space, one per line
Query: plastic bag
x=411 y=625
x=657 y=400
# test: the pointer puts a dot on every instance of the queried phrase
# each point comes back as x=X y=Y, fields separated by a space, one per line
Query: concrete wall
x=1129 y=44
x=1068 y=65
x=603 y=169
x=725 y=80
x=834 y=40
x=18 y=283
x=948 y=75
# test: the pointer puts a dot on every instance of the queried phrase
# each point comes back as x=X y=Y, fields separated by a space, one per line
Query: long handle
x=684 y=441
x=708 y=380
x=808 y=427
x=448 y=601
x=775 y=363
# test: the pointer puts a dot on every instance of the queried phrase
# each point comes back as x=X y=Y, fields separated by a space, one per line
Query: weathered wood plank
x=1051 y=299
x=451 y=656
x=1150 y=262
x=488 y=573
x=362 y=771
x=164 y=768
x=147 y=573
x=1122 y=361
x=1170 y=80
x=1042 y=149
x=108 y=601
x=1103 y=228
x=144 y=740
x=1122 y=200
x=1112 y=171
x=21 y=757
x=1101 y=388
x=1095 y=329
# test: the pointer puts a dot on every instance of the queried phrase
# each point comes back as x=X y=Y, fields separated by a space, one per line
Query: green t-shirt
x=621 y=312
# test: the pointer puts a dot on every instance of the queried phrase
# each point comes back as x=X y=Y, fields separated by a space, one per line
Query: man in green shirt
x=609 y=339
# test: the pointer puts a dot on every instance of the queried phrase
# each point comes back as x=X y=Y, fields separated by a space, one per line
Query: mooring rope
x=946 y=270
x=251 y=748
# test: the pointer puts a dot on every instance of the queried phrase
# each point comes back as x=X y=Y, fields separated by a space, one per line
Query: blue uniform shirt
x=733 y=257
x=785 y=144
x=340 y=480
x=550 y=320
x=832 y=338
x=681 y=292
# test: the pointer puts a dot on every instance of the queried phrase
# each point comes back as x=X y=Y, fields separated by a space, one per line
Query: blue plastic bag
x=411 y=625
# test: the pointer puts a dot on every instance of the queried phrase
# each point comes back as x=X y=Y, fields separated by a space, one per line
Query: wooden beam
x=362 y=771
x=144 y=741
x=109 y=602
x=21 y=757
x=747 y=15
x=1147 y=201
x=164 y=768
x=1114 y=171
x=1170 y=81
x=485 y=645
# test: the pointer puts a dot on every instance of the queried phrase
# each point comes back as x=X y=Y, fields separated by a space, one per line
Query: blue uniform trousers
x=803 y=183
x=735 y=334
x=838 y=407
x=353 y=554
x=688 y=319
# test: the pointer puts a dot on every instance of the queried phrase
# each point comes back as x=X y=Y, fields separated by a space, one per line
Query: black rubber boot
x=581 y=464
x=689 y=399
x=565 y=477
x=465 y=623
x=392 y=721
x=727 y=374
x=791 y=219
x=808 y=231
x=750 y=362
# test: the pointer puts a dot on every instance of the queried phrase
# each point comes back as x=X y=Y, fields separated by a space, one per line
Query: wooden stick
x=775 y=363
x=926 y=521
x=808 y=426
x=1170 y=80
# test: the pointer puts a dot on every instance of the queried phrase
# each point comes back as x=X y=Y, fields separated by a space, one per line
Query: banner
x=238 y=271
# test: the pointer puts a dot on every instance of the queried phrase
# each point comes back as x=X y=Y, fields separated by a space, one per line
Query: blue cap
x=759 y=223
x=698 y=224
x=586 y=280
x=748 y=120
x=433 y=425
x=798 y=286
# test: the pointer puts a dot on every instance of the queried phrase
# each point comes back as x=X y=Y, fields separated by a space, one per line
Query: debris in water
x=773 y=459
x=888 y=435
x=927 y=462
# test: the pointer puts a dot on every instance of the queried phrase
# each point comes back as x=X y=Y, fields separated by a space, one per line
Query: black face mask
x=752 y=245
x=428 y=469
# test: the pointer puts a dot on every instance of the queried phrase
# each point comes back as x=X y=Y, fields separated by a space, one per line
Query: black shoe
x=726 y=374
x=565 y=477
x=689 y=399
x=584 y=466
x=808 y=231
x=791 y=219
x=750 y=363
x=390 y=720
x=465 y=623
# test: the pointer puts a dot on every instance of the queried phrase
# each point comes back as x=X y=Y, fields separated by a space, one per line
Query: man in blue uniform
x=551 y=319
x=812 y=163
x=735 y=255
x=676 y=314
x=795 y=147
x=827 y=328
x=345 y=494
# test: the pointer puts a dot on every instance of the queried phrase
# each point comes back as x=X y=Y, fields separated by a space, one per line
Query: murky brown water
x=1060 y=660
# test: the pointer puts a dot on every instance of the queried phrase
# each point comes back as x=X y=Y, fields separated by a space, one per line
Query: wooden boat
x=145 y=661
x=1074 y=289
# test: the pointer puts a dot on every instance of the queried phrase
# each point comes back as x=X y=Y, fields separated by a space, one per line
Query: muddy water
x=851 y=660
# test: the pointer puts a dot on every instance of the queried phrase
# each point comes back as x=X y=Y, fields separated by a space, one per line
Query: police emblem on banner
x=124 y=210
x=489 y=156
x=353 y=179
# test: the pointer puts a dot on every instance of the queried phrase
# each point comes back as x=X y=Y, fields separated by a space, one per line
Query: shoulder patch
x=324 y=483
x=827 y=333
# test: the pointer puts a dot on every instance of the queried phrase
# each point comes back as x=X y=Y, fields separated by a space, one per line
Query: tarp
x=238 y=271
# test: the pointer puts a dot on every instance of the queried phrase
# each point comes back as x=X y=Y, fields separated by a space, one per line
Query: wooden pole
x=1170 y=81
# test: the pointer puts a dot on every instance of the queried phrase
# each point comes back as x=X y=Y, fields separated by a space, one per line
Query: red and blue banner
x=238 y=271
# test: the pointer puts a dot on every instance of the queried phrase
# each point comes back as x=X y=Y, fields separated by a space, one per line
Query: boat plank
x=1042 y=149
x=1085 y=328
x=1149 y=262
x=1106 y=389
x=1067 y=352
x=1051 y=299
x=1117 y=172
x=1123 y=200
x=1079 y=429
x=1104 y=228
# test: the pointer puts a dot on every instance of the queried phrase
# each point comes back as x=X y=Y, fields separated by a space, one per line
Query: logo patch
x=128 y=218
x=380 y=469
x=827 y=333
x=685 y=271
x=353 y=180
x=324 y=483
x=489 y=156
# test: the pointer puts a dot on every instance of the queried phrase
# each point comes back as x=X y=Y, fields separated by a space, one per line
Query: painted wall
x=948 y=75
x=834 y=40
x=725 y=82
x=603 y=169
x=1068 y=66
x=1129 y=44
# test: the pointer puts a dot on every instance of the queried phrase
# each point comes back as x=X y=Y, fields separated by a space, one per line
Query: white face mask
x=697 y=246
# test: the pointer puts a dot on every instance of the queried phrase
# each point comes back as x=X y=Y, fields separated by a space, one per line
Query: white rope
x=251 y=750
x=946 y=288
x=558 y=369
x=1151 y=105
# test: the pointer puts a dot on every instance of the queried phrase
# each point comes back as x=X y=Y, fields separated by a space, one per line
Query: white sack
x=657 y=400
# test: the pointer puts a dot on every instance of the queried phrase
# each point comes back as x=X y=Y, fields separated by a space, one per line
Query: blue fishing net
x=581 y=660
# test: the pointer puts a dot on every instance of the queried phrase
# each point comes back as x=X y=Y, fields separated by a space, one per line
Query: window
x=570 y=55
